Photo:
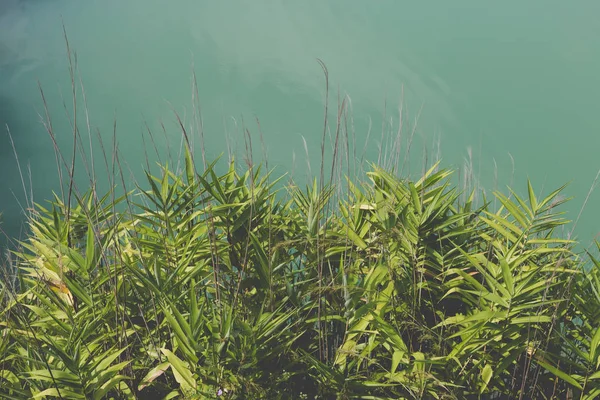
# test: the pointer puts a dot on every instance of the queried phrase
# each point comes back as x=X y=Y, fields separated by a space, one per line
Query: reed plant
x=240 y=285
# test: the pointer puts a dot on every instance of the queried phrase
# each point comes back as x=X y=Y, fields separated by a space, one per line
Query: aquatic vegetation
x=216 y=281
x=207 y=285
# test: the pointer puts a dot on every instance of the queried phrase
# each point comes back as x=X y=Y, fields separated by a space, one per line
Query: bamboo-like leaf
x=90 y=247
x=153 y=374
x=514 y=211
x=182 y=331
x=486 y=376
x=107 y=359
x=594 y=356
x=9 y=376
x=189 y=165
x=560 y=374
x=62 y=393
x=532 y=200
x=507 y=275
x=182 y=373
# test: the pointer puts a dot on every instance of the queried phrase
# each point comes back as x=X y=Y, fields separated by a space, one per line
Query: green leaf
x=182 y=373
x=512 y=208
x=376 y=276
x=153 y=374
x=354 y=237
x=164 y=186
x=107 y=359
x=595 y=375
x=189 y=165
x=594 y=357
x=486 y=376
x=182 y=331
x=532 y=200
x=62 y=393
x=487 y=315
x=562 y=375
x=507 y=275
x=9 y=376
x=416 y=200
x=90 y=248
x=397 y=357
x=65 y=377
x=531 y=319
x=109 y=385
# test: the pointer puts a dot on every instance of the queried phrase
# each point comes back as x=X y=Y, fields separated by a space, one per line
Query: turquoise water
x=503 y=80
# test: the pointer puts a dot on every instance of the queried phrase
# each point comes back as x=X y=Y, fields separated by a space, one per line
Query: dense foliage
x=219 y=286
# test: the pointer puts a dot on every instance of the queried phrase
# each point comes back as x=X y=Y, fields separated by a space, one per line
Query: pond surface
x=502 y=81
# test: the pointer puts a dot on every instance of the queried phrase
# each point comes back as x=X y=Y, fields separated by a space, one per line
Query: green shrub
x=208 y=286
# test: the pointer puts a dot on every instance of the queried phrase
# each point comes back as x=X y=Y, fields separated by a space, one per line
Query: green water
x=503 y=79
